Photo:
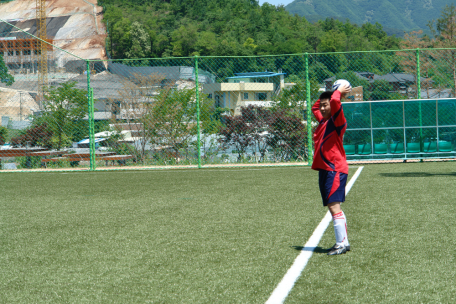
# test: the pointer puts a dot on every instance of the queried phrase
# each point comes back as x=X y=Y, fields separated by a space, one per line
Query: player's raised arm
x=336 y=106
x=316 y=110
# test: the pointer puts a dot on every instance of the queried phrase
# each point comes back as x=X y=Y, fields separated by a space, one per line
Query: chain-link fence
x=43 y=104
x=407 y=129
x=214 y=111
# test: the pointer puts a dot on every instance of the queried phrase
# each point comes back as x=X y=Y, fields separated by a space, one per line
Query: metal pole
x=90 y=109
x=437 y=123
x=92 y=133
x=198 y=140
x=418 y=89
x=405 y=133
x=20 y=105
x=309 y=113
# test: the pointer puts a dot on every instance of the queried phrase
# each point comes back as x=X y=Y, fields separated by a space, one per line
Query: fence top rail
x=399 y=100
x=269 y=56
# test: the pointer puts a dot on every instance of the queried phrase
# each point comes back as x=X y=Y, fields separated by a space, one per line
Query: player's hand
x=344 y=89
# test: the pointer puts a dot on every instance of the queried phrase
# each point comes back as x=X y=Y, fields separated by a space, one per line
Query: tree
x=288 y=140
x=409 y=64
x=135 y=95
x=63 y=106
x=162 y=113
x=5 y=77
x=171 y=119
x=259 y=120
x=37 y=135
x=3 y=135
x=237 y=133
x=444 y=32
x=140 y=42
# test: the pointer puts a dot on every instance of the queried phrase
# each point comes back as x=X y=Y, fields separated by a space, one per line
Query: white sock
x=340 y=229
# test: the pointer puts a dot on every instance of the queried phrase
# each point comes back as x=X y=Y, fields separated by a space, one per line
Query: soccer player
x=331 y=162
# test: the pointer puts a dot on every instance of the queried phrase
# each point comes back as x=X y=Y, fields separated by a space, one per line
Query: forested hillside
x=157 y=28
x=395 y=15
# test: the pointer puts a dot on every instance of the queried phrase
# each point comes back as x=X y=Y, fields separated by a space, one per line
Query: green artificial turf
x=224 y=236
x=401 y=226
x=182 y=236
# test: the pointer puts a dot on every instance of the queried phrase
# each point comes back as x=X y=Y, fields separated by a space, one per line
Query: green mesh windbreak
x=218 y=111
x=43 y=104
x=407 y=129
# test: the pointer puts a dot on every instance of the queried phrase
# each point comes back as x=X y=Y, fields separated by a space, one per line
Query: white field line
x=283 y=289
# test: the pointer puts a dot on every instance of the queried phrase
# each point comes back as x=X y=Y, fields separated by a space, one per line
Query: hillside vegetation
x=157 y=28
x=395 y=15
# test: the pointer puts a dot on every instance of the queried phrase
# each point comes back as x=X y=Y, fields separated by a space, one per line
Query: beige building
x=244 y=89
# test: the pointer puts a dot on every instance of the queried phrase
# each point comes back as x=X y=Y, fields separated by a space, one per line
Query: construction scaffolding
x=42 y=47
x=23 y=56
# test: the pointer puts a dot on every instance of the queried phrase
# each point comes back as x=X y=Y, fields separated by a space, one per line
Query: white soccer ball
x=339 y=83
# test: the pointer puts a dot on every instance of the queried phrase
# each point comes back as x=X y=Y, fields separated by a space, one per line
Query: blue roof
x=255 y=75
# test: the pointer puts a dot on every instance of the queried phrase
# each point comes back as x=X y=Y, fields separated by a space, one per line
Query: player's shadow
x=416 y=174
x=314 y=249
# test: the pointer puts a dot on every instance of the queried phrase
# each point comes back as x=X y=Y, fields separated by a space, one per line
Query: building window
x=209 y=96
x=246 y=96
x=217 y=101
x=26 y=52
x=18 y=53
x=261 y=96
x=10 y=53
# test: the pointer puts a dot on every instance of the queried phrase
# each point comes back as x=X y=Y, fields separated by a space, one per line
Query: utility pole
x=20 y=105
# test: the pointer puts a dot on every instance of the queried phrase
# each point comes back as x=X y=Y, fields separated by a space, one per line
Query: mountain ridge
x=394 y=15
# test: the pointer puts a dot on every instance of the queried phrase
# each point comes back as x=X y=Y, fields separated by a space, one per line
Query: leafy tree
x=170 y=119
x=140 y=42
x=5 y=77
x=37 y=135
x=63 y=106
x=230 y=27
x=3 y=135
x=288 y=140
x=259 y=120
x=279 y=131
x=412 y=41
x=161 y=115
x=237 y=132
x=444 y=32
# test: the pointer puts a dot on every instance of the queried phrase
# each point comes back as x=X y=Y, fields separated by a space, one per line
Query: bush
x=3 y=135
x=35 y=136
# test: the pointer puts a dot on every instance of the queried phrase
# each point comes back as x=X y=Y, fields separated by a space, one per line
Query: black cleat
x=332 y=248
x=338 y=249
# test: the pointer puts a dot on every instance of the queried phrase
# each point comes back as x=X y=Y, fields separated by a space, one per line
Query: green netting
x=214 y=111
x=400 y=129
x=43 y=104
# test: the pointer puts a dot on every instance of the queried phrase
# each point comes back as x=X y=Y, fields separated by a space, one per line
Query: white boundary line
x=283 y=289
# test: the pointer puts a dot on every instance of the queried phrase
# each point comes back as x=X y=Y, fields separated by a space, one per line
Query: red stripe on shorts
x=335 y=185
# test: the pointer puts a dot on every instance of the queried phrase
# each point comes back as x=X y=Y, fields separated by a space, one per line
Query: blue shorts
x=332 y=186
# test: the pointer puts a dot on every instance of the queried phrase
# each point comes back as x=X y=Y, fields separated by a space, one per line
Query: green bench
x=380 y=149
x=413 y=148
x=364 y=149
x=349 y=149
x=397 y=148
x=445 y=146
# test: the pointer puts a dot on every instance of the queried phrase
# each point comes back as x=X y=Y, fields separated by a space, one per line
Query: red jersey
x=329 y=152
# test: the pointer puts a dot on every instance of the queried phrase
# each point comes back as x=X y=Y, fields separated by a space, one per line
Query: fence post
x=418 y=95
x=309 y=115
x=418 y=75
x=198 y=127
x=90 y=115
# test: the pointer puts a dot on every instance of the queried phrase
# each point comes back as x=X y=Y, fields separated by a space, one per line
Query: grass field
x=224 y=236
